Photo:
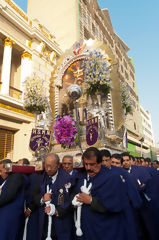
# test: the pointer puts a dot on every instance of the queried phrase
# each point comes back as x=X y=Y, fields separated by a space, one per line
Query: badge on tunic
x=67 y=186
x=60 y=200
x=0 y=191
x=123 y=180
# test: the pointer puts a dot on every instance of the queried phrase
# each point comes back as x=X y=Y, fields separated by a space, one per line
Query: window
x=6 y=144
x=89 y=22
x=126 y=75
x=84 y=16
x=118 y=53
x=125 y=64
x=134 y=125
x=93 y=28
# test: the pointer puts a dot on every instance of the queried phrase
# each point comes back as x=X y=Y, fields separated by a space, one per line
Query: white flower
x=34 y=94
x=96 y=70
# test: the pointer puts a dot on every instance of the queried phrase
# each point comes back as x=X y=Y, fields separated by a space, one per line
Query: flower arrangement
x=97 y=73
x=126 y=99
x=65 y=131
x=34 y=94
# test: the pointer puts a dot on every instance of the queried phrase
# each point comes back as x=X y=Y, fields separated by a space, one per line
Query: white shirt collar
x=71 y=172
x=1 y=186
x=88 y=177
x=129 y=170
x=54 y=177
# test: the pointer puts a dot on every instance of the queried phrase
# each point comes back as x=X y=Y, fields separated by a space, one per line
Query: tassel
x=49 y=218
x=77 y=218
x=79 y=232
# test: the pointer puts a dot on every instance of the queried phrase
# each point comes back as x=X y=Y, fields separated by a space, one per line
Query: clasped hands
x=84 y=198
x=50 y=208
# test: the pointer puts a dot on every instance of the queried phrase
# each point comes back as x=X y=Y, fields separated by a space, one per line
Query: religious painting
x=74 y=74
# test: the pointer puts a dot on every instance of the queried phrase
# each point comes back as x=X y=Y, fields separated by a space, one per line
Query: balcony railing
x=15 y=93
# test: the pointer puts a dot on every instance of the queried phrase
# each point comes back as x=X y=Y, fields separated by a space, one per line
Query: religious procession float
x=87 y=105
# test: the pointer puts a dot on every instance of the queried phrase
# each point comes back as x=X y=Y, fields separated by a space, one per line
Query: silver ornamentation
x=74 y=91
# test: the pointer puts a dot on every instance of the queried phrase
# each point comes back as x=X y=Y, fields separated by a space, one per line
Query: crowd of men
x=112 y=197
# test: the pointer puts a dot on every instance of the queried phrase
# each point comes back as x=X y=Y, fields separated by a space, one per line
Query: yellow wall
x=22 y=125
x=59 y=16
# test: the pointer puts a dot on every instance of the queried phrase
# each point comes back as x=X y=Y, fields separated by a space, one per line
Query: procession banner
x=39 y=138
x=92 y=132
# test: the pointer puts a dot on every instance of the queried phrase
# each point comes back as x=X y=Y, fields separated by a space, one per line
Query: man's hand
x=47 y=209
x=27 y=213
x=84 y=198
x=47 y=197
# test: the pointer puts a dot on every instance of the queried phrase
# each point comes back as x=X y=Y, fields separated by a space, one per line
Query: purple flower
x=65 y=131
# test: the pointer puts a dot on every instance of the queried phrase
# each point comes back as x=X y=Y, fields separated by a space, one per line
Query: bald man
x=58 y=182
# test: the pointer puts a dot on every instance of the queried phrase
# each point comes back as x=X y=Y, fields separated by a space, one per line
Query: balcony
x=15 y=93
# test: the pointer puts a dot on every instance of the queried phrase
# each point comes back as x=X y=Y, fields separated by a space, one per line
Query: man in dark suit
x=140 y=173
x=12 y=196
x=67 y=164
x=51 y=196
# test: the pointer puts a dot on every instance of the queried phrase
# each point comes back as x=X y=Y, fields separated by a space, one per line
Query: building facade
x=147 y=127
x=26 y=47
x=76 y=20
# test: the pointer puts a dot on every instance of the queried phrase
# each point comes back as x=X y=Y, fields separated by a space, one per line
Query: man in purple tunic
x=67 y=164
x=51 y=196
x=106 y=212
x=12 y=196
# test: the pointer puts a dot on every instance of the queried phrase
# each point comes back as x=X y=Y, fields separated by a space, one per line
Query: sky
x=136 y=23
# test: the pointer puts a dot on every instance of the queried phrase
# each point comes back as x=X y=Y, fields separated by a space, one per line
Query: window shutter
x=6 y=144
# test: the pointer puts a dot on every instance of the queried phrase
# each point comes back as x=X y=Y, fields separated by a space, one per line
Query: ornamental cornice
x=8 y=42
x=17 y=9
x=29 y=28
x=42 y=38
x=47 y=34
x=26 y=55
x=18 y=113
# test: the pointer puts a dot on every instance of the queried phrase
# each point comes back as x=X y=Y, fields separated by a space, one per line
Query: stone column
x=26 y=64
x=6 y=69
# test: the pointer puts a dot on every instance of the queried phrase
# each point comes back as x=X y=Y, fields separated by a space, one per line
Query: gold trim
x=46 y=53
x=30 y=23
x=41 y=29
x=28 y=43
x=52 y=99
x=16 y=110
x=52 y=56
x=50 y=36
x=26 y=55
x=17 y=9
x=43 y=47
x=8 y=42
